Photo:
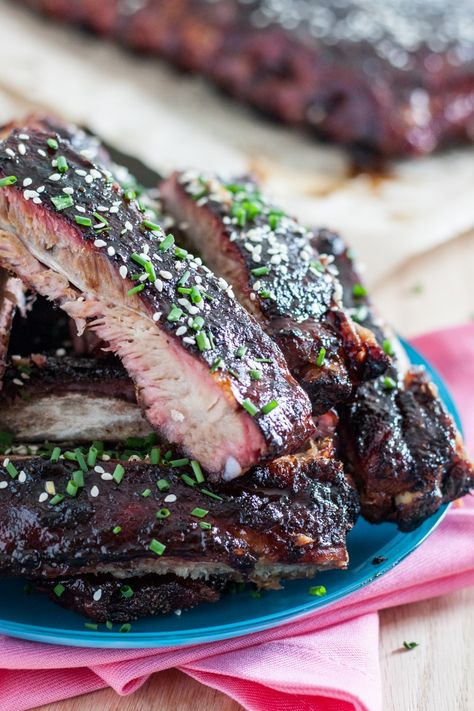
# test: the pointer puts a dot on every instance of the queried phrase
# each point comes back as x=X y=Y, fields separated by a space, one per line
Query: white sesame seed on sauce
x=41 y=152
x=181 y=331
x=6 y=462
x=79 y=208
x=99 y=469
x=27 y=182
x=157 y=315
x=97 y=595
x=105 y=457
x=3 y=484
x=111 y=252
x=190 y=340
x=95 y=173
x=95 y=492
x=114 y=209
x=89 y=179
x=60 y=352
x=128 y=226
x=55 y=177
x=165 y=275
x=123 y=271
x=100 y=243
x=22 y=477
x=80 y=172
x=37 y=200
x=40 y=189
x=23 y=137
x=29 y=194
x=9 y=152
x=21 y=149
x=170 y=499
x=158 y=285
x=17 y=381
x=68 y=190
x=106 y=476
x=102 y=208
x=43 y=497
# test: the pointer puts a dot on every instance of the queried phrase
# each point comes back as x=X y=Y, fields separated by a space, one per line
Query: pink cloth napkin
x=327 y=661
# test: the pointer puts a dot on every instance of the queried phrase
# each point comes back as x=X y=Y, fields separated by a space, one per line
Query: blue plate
x=37 y=618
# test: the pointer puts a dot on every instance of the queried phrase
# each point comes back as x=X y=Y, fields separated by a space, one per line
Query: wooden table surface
x=434 y=290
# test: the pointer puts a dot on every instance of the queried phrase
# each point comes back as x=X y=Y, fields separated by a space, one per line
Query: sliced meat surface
x=280 y=278
x=12 y=295
x=65 y=399
x=72 y=235
x=103 y=598
x=397 y=438
x=288 y=519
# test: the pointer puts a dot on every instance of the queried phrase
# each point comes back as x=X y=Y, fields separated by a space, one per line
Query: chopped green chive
x=205 y=525
x=125 y=627
x=72 y=488
x=260 y=271
x=317 y=265
x=265 y=294
x=184 y=290
x=8 y=180
x=202 y=342
x=91 y=626
x=163 y=513
x=241 y=351
x=274 y=219
x=358 y=290
x=180 y=253
x=78 y=478
x=155 y=455
x=80 y=460
x=255 y=374
x=55 y=454
x=199 y=513
x=256 y=594
x=167 y=243
x=272 y=405
x=126 y=591
x=58 y=589
x=175 y=314
x=61 y=202
x=211 y=494
x=410 y=645
x=187 y=480
x=250 y=407
x=389 y=383
x=162 y=484
x=84 y=221
x=135 y=290
x=116 y=530
x=263 y=360
x=195 y=295
x=138 y=259
x=317 y=591
x=103 y=223
x=150 y=270
x=61 y=164
x=151 y=226
x=360 y=313
x=179 y=462
x=233 y=373
x=52 y=143
x=157 y=547
x=118 y=474
x=57 y=499
x=216 y=364
x=184 y=278
x=70 y=456
x=12 y=470
x=388 y=348
x=92 y=456
x=197 y=323
x=197 y=471
x=109 y=625
x=321 y=357
x=146 y=493
x=240 y=214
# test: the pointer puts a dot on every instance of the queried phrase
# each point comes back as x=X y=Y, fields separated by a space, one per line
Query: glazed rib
x=280 y=278
x=103 y=598
x=67 y=399
x=121 y=275
x=388 y=78
x=288 y=519
x=398 y=440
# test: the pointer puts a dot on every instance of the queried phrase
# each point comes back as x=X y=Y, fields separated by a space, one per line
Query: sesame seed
x=9 y=152
x=102 y=208
x=128 y=226
x=17 y=381
x=60 y=352
x=170 y=499
x=23 y=137
x=157 y=315
x=123 y=271
x=68 y=191
x=190 y=340
x=94 y=492
x=89 y=179
x=54 y=177
x=111 y=252
x=181 y=331
x=158 y=285
x=114 y=209
x=21 y=149
x=79 y=208
x=26 y=182
x=97 y=595
x=100 y=243
x=106 y=476
x=80 y=172
x=37 y=200
x=4 y=484
x=165 y=275
x=42 y=153
x=22 y=477
x=43 y=497
x=99 y=469
x=40 y=189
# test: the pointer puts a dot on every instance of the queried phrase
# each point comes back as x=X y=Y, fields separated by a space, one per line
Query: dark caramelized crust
x=285 y=520
x=387 y=77
x=280 y=278
x=397 y=437
x=103 y=598
x=180 y=348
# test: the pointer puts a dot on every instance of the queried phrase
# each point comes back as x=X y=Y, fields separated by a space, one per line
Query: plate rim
x=202 y=635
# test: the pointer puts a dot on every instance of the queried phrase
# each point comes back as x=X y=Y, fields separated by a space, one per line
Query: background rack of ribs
x=98 y=509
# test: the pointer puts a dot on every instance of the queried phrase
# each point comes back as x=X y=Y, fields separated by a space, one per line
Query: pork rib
x=69 y=400
x=398 y=439
x=177 y=330
x=288 y=519
x=280 y=278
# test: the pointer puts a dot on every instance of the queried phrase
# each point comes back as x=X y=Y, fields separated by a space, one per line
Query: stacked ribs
x=385 y=78
x=174 y=424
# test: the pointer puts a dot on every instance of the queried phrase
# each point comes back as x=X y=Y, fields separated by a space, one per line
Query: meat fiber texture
x=72 y=235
